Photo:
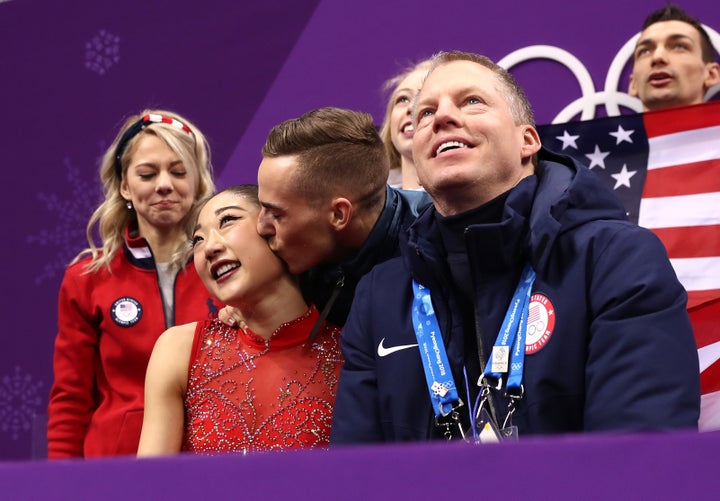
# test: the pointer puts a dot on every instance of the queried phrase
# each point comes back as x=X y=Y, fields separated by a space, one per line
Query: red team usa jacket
x=108 y=324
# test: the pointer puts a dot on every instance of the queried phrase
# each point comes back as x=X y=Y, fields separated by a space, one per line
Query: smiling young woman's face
x=233 y=261
x=401 y=129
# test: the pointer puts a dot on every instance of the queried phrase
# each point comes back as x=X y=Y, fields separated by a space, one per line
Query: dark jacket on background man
x=401 y=209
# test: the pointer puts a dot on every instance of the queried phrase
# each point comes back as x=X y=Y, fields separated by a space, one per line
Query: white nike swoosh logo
x=384 y=352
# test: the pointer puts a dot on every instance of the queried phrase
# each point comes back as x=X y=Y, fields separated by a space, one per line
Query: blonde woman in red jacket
x=117 y=298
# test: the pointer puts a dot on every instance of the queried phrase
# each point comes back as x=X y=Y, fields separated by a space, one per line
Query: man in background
x=674 y=62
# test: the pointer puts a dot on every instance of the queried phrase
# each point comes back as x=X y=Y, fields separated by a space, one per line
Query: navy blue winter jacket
x=617 y=349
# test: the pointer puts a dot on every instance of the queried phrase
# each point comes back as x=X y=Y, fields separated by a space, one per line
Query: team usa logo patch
x=540 y=323
x=126 y=311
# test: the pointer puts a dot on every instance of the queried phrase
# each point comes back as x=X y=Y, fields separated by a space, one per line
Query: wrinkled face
x=668 y=68
x=401 y=127
x=467 y=147
x=160 y=187
x=233 y=261
x=297 y=230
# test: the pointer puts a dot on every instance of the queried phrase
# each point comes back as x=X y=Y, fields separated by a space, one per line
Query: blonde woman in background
x=397 y=130
x=117 y=298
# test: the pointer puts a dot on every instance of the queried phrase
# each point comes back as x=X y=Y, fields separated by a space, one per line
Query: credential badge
x=540 y=323
x=126 y=311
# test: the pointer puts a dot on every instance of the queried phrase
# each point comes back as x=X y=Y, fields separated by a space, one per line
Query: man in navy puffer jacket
x=520 y=241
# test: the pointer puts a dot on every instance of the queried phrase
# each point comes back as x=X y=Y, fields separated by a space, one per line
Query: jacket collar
x=400 y=210
x=137 y=250
x=560 y=196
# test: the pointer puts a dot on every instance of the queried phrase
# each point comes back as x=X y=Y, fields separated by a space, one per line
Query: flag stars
x=568 y=140
x=597 y=157
x=622 y=178
x=622 y=135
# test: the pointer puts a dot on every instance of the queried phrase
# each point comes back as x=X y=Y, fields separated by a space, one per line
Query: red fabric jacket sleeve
x=71 y=398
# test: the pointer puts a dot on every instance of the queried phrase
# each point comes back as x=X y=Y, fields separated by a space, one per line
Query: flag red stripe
x=672 y=120
x=705 y=322
x=690 y=241
x=697 y=300
x=710 y=379
x=686 y=179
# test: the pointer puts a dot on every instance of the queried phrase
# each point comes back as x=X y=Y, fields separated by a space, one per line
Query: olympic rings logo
x=610 y=96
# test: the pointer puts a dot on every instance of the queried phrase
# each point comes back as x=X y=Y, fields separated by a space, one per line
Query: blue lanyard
x=438 y=374
x=503 y=360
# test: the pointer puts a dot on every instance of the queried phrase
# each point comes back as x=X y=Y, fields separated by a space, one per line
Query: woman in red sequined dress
x=265 y=386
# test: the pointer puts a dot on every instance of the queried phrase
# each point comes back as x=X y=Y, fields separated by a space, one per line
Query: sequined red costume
x=248 y=394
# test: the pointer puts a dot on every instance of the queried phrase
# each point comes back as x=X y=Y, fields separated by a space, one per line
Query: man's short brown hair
x=337 y=149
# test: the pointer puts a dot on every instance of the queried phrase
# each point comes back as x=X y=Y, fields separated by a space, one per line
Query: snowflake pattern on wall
x=70 y=214
x=102 y=52
x=20 y=402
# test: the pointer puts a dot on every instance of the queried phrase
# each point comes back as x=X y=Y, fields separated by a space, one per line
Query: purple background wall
x=71 y=71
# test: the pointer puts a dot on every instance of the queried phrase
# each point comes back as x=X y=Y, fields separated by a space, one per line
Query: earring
x=128 y=204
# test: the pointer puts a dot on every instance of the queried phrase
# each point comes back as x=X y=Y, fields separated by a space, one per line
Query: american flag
x=665 y=167
x=534 y=313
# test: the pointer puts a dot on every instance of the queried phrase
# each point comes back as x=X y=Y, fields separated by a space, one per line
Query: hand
x=231 y=316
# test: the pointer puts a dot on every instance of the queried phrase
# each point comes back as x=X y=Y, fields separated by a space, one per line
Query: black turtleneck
x=452 y=232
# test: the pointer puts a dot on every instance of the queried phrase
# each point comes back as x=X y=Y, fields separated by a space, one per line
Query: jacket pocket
x=129 y=436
